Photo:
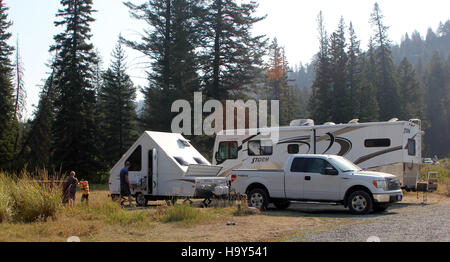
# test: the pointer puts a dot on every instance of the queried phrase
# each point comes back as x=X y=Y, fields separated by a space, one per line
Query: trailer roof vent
x=354 y=121
x=329 y=124
x=302 y=122
x=393 y=120
x=184 y=142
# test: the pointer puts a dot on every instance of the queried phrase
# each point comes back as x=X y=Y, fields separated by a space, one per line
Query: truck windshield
x=344 y=164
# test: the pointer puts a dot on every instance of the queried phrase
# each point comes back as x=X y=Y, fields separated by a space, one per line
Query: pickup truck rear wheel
x=360 y=202
x=258 y=198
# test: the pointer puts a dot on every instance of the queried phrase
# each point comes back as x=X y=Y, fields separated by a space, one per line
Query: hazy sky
x=293 y=22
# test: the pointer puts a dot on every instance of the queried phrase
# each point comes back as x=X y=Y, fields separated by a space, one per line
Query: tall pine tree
x=75 y=132
x=170 y=43
x=7 y=123
x=411 y=94
x=231 y=56
x=117 y=109
x=321 y=98
x=437 y=107
x=388 y=96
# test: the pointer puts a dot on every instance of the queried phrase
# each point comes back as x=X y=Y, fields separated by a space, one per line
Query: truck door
x=294 y=179
x=316 y=184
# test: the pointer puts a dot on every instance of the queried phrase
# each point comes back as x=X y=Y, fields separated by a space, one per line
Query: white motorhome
x=165 y=166
x=392 y=147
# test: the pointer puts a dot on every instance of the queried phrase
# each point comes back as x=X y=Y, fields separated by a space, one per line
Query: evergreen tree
x=437 y=107
x=321 y=98
x=37 y=150
x=231 y=56
x=366 y=92
x=354 y=71
x=117 y=108
x=74 y=130
x=411 y=95
x=388 y=97
x=340 y=106
x=170 y=43
x=7 y=123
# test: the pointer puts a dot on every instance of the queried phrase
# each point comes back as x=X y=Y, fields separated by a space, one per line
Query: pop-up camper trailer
x=166 y=166
x=392 y=147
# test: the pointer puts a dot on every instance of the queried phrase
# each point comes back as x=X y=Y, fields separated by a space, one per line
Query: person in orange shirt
x=85 y=186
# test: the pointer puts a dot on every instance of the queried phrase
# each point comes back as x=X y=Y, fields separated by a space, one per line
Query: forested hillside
x=87 y=116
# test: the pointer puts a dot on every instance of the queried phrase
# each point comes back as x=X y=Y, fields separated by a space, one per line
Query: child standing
x=85 y=186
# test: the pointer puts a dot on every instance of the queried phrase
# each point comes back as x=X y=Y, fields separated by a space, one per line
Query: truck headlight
x=380 y=184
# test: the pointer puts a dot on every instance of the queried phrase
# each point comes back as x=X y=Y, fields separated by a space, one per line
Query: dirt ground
x=272 y=225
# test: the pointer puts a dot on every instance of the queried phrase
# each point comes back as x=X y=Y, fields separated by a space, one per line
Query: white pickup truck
x=319 y=179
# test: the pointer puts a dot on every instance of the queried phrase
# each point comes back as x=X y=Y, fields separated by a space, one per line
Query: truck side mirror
x=329 y=171
x=218 y=158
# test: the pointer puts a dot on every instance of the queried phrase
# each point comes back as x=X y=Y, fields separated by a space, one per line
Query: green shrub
x=182 y=213
x=114 y=214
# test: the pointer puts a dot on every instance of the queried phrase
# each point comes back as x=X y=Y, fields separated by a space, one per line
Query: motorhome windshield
x=344 y=164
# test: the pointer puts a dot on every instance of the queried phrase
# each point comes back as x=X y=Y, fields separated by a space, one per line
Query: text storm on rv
x=238 y=115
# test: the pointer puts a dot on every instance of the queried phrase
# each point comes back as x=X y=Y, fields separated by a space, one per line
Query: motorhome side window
x=228 y=150
x=411 y=147
x=258 y=148
x=293 y=149
x=385 y=142
x=136 y=160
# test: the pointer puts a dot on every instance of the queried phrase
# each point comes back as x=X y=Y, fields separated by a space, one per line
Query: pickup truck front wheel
x=258 y=198
x=360 y=202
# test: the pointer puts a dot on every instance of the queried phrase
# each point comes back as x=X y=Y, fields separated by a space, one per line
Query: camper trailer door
x=154 y=178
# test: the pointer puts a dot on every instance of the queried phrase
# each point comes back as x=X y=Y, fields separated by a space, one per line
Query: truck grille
x=393 y=184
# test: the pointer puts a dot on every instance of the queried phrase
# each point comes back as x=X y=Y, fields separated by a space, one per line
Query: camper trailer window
x=293 y=149
x=411 y=147
x=256 y=149
x=228 y=150
x=181 y=161
x=386 y=142
x=200 y=161
x=136 y=160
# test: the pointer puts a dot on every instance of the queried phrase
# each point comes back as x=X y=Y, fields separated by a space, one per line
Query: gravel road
x=401 y=223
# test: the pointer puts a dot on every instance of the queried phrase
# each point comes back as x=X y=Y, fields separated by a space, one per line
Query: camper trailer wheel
x=115 y=198
x=172 y=201
x=141 y=200
x=360 y=202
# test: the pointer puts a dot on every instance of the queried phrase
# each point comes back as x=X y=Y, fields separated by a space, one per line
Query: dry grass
x=24 y=199
x=104 y=220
